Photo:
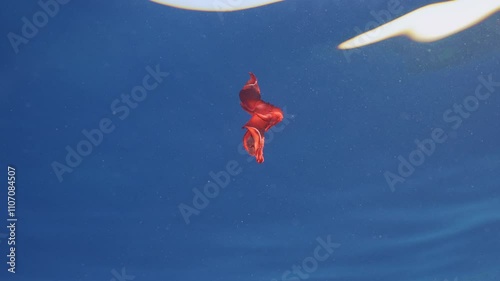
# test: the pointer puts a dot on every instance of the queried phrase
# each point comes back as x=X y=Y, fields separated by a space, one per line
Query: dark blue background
x=323 y=174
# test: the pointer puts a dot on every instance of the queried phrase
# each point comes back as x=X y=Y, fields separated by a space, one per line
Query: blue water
x=116 y=216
